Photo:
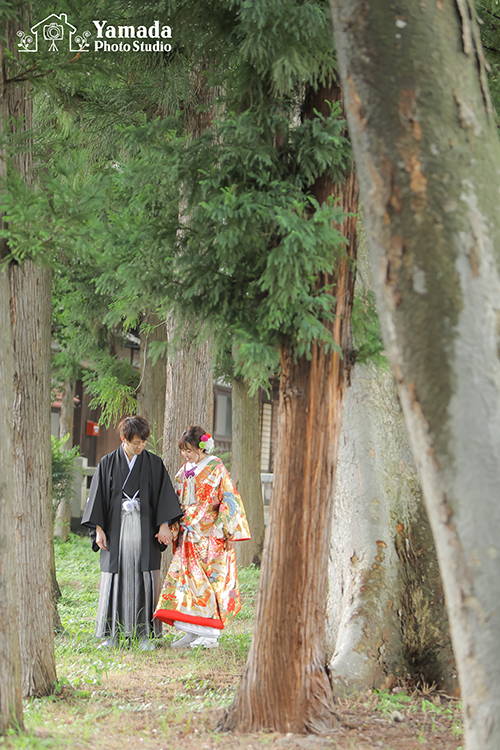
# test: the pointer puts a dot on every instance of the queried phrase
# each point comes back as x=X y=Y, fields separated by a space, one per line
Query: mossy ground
x=164 y=700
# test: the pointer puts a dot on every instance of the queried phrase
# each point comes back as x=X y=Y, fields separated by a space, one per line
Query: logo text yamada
x=132 y=32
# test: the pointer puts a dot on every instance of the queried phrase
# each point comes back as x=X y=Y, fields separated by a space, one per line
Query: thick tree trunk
x=245 y=469
x=188 y=401
x=11 y=711
x=151 y=393
x=11 y=714
x=189 y=396
x=386 y=615
x=428 y=159
x=30 y=305
x=285 y=686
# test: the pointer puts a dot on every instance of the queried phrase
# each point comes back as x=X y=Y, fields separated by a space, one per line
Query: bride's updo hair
x=191 y=437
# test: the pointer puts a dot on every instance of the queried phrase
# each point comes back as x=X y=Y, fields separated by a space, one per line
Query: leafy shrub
x=62 y=472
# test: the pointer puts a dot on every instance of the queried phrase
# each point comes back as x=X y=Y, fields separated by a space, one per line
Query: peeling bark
x=11 y=711
x=437 y=280
x=387 y=619
x=285 y=686
x=30 y=316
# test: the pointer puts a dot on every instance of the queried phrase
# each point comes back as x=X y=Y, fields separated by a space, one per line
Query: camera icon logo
x=54 y=28
x=53 y=32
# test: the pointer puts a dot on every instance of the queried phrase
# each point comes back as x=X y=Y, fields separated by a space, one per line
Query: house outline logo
x=54 y=29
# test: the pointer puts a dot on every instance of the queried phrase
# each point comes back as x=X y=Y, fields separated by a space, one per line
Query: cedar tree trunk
x=189 y=396
x=285 y=686
x=245 y=469
x=188 y=401
x=11 y=712
x=428 y=160
x=31 y=311
x=30 y=307
x=151 y=393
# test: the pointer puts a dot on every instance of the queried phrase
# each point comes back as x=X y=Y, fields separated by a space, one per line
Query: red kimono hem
x=171 y=615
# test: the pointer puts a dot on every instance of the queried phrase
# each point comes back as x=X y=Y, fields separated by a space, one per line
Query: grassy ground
x=128 y=699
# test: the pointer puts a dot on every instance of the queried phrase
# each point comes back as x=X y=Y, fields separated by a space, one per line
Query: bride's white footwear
x=185 y=641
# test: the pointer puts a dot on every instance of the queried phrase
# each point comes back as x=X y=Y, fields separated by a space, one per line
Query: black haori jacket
x=158 y=501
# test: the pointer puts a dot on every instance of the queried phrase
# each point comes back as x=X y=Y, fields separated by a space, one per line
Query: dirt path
x=166 y=701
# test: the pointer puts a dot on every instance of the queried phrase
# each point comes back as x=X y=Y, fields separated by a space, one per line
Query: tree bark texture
x=386 y=614
x=11 y=714
x=188 y=400
x=428 y=159
x=285 y=686
x=30 y=314
x=189 y=395
x=151 y=393
x=245 y=469
x=11 y=710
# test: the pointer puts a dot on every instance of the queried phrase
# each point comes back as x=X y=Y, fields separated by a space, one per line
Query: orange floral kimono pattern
x=201 y=586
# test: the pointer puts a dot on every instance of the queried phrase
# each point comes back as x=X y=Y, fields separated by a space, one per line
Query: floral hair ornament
x=206 y=443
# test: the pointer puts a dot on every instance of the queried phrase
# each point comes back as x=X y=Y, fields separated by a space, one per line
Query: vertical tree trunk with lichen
x=11 y=711
x=189 y=399
x=285 y=685
x=30 y=308
x=386 y=616
x=428 y=159
x=189 y=395
x=245 y=469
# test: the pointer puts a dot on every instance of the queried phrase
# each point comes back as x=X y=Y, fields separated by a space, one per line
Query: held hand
x=100 y=538
x=164 y=534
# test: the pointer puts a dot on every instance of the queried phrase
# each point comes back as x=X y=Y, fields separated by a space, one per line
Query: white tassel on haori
x=130 y=504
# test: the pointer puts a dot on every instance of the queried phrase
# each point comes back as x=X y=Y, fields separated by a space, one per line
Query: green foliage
x=389 y=702
x=252 y=252
x=113 y=384
x=249 y=257
x=368 y=343
x=62 y=471
x=9 y=11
